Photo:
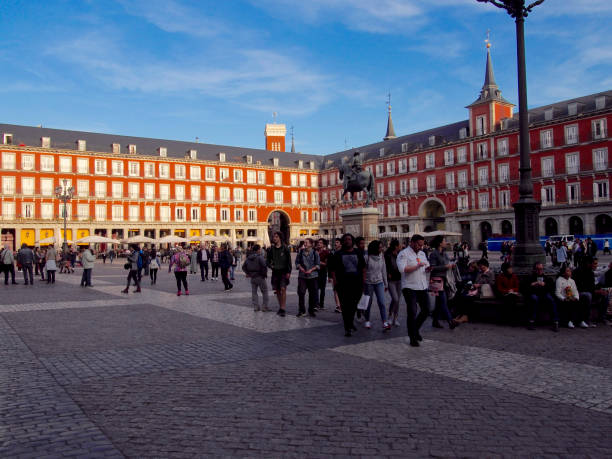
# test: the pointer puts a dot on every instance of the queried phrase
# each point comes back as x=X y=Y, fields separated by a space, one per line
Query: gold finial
x=389 y=102
x=488 y=41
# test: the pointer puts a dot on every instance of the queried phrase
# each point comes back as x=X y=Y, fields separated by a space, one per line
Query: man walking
x=87 y=260
x=203 y=256
x=348 y=277
x=413 y=265
x=25 y=258
x=132 y=261
x=225 y=262
x=307 y=263
x=279 y=260
x=8 y=264
x=255 y=269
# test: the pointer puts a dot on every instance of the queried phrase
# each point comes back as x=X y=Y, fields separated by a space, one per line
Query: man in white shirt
x=412 y=263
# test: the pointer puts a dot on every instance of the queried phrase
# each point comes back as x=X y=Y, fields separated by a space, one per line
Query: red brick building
x=464 y=176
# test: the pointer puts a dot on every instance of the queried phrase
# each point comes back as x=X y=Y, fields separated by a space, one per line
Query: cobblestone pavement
x=92 y=372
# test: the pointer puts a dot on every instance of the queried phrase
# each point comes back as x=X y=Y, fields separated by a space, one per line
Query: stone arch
x=506 y=228
x=485 y=230
x=603 y=224
x=551 y=227
x=432 y=208
x=279 y=220
x=576 y=225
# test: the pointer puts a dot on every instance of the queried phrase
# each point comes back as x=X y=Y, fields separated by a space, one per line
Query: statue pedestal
x=362 y=221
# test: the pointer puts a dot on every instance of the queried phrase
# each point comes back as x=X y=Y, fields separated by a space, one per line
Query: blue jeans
x=379 y=290
x=441 y=311
x=547 y=299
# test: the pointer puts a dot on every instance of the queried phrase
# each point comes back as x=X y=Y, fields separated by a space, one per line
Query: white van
x=562 y=238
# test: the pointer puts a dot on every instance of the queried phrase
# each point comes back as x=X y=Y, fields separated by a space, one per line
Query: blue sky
x=181 y=69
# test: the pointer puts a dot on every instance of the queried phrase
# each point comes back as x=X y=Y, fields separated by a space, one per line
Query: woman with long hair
x=440 y=265
x=376 y=283
x=394 y=281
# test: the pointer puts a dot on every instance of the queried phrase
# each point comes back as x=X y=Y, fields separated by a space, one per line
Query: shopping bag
x=363 y=302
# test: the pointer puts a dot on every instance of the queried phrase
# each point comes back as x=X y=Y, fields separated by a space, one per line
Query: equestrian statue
x=355 y=180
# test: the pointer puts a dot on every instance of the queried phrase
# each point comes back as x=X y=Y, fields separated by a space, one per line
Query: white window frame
x=100 y=166
x=547 y=165
x=210 y=174
x=571 y=134
x=117 y=168
x=164 y=170
x=27 y=162
x=431 y=183
x=449 y=157
x=569 y=159
x=502 y=147
x=133 y=168
x=195 y=173
x=598 y=187
x=503 y=173
x=47 y=163
x=600 y=159
x=568 y=188
x=483 y=176
x=450 y=180
x=430 y=160
x=82 y=165
x=546 y=139
x=461 y=155
x=149 y=170
x=548 y=195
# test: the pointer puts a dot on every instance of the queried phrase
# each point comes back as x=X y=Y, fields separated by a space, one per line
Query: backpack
x=183 y=260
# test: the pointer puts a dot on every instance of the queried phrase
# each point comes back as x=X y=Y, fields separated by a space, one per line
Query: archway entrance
x=485 y=231
x=550 y=227
x=576 y=226
x=603 y=224
x=506 y=228
x=279 y=221
x=432 y=212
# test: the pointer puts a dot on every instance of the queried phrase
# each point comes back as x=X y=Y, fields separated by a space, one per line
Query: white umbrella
x=97 y=240
x=440 y=233
x=252 y=239
x=138 y=239
x=171 y=239
x=53 y=240
x=196 y=238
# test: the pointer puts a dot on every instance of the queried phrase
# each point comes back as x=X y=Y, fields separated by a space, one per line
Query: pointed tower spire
x=390 y=129
x=292 y=141
x=490 y=91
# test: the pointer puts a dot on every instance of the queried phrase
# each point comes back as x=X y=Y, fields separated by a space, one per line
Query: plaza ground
x=93 y=372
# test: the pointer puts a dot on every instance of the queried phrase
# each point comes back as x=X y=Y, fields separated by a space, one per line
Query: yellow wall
x=28 y=236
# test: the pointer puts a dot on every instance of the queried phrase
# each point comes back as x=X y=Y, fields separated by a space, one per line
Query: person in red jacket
x=507 y=285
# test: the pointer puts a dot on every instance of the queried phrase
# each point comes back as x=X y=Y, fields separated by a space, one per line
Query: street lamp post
x=333 y=203
x=64 y=194
x=528 y=249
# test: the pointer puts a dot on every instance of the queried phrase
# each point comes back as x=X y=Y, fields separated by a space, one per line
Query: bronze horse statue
x=355 y=182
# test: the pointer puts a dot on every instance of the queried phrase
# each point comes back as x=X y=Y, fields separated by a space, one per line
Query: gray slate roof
x=64 y=139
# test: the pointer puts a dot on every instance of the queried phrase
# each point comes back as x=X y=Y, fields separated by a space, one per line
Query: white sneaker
x=583 y=324
x=396 y=323
x=570 y=324
x=592 y=325
x=368 y=324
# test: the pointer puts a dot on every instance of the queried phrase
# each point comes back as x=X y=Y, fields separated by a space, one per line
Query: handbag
x=363 y=302
x=436 y=284
x=127 y=265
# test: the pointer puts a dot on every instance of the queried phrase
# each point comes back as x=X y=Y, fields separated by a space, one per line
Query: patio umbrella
x=138 y=239
x=441 y=233
x=171 y=239
x=53 y=240
x=196 y=238
x=97 y=240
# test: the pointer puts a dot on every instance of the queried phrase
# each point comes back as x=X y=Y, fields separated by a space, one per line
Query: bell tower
x=490 y=108
x=275 y=135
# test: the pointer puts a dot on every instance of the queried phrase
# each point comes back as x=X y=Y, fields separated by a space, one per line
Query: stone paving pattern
x=89 y=372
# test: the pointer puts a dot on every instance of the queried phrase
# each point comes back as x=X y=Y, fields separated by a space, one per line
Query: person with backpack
x=307 y=263
x=225 y=262
x=181 y=261
x=154 y=266
x=132 y=267
x=87 y=260
x=255 y=269
x=278 y=259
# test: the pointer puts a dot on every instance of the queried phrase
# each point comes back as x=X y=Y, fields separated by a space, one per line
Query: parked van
x=562 y=238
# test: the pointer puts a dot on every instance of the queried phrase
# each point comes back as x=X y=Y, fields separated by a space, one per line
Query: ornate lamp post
x=528 y=249
x=333 y=203
x=64 y=194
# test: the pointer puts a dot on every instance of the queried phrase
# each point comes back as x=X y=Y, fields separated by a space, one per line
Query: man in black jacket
x=584 y=276
x=25 y=257
x=540 y=290
x=256 y=269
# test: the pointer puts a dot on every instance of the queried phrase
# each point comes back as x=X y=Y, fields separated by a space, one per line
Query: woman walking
x=214 y=261
x=394 y=281
x=180 y=261
x=132 y=266
x=376 y=283
x=51 y=264
x=440 y=265
x=193 y=268
x=154 y=266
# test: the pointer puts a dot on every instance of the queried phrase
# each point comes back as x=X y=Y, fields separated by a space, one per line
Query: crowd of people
x=432 y=277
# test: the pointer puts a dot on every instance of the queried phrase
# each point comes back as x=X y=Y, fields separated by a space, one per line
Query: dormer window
x=162 y=151
x=404 y=147
x=221 y=157
x=462 y=133
x=7 y=139
x=45 y=142
x=131 y=149
x=249 y=159
x=572 y=108
x=381 y=152
x=193 y=154
x=275 y=162
x=432 y=140
x=81 y=145
x=481 y=125
x=600 y=103
x=116 y=148
x=548 y=114
x=312 y=165
x=300 y=164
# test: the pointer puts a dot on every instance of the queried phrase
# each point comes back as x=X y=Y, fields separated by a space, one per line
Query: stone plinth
x=362 y=221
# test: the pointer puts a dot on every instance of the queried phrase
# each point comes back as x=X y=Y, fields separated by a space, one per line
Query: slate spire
x=390 y=130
